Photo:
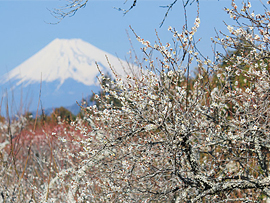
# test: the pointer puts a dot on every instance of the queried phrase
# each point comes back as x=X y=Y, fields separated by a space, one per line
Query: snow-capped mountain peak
x=67 y=69
x=64 y=59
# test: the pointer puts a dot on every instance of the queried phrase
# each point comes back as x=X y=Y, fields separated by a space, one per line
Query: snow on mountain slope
x=63 y=59
x=68 y=70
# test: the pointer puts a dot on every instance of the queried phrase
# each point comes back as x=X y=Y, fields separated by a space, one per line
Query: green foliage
x=106 y=82
x=2 y=119
x=63 y=113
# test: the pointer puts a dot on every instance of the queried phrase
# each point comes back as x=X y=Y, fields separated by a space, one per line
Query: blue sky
x=24 y=30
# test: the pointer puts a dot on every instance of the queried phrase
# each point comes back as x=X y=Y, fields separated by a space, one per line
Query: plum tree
x=73 y=6
x=170 y=141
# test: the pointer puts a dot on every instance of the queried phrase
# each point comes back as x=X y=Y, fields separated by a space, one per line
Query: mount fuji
x=65 y=71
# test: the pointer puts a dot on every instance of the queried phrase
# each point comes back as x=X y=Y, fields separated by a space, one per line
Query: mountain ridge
x=65 y=70
x=62 y=59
